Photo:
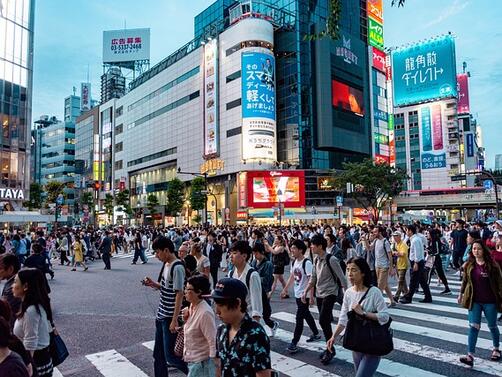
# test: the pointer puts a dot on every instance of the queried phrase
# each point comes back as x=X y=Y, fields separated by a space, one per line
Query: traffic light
x=97 y=185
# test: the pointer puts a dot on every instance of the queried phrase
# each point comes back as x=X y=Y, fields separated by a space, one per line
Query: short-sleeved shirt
x=402 y=261
x=13 y=366
x=382 y=248
x=169 y=285
x=302 y=276
x=248 y=353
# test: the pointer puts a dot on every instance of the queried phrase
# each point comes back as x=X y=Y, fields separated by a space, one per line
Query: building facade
x=16 y=72
x=498 y=162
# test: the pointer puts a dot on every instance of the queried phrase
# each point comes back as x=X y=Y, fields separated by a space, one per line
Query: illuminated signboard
x=126 y=45
x=463 y=93
x=375 y=33
x=210 y=103
x=11 y=194
x=267 y=188
x=431 y=131
x=470 y=144
x=258 y=106
x=242 y=189
x=424 y=71
x=85 y=96
x=347 y=98
x=374 y=9
x=378 y=59
x=326 y=183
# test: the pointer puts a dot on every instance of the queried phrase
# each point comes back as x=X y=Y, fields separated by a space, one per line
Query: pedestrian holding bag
x=367 y=336
x=57 y=349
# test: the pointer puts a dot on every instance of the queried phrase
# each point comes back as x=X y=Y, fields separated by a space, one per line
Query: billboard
x=378 y=59
x=347 y=98
x=126 y=45
x=269 y=188
x=375 y=33
x=470 y=144
x=424 y=71
x=210 y=103
x=433 y=154
x=374 y=8
x=463 y=93
x=258 y=106
x=85 y=96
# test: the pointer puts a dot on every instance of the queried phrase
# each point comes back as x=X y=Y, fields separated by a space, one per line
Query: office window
x=118 y=164
x=119 y=147
x=233 y=76
x=234 y=131
x=119 y=129
x=232 y=104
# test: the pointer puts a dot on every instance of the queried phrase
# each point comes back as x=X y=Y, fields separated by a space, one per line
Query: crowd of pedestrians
x=348 y=266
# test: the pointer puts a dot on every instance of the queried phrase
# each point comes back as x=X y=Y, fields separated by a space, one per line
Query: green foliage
x=399 y=2
x=87 y=199
x=151 y=203
x=197 y=219
x=197 y=198
x=332 y=23
x=175 y=196
x=373 y=184
x=122 y=200
x=109 y=204
x=53 y=190
x=35 y=201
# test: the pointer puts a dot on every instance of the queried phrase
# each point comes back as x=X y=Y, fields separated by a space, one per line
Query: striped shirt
x=172 y=281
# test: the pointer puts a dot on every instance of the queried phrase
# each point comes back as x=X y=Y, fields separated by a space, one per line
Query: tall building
x=498 y=162
x=16 y=72
x=113 y=84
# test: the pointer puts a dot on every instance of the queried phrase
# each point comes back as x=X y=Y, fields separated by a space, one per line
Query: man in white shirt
x=418 y=274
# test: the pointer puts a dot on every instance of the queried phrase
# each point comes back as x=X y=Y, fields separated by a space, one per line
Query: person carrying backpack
x=301 y=271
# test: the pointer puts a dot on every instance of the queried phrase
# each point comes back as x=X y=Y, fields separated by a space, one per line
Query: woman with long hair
x=372 y=308
x=78 y=254
x=34 y=320
x=481 y=291
x=203 y=263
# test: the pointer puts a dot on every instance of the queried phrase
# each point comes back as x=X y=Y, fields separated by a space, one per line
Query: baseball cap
x=228 y=288
x=396 y=233
x=499 y=223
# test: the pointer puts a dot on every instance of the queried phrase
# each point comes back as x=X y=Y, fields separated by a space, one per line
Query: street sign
x=339 y=201
x=488 y=184
x=456 y=178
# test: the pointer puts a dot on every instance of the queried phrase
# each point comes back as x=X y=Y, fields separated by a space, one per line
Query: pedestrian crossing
x=149 y=254
x=429 y=339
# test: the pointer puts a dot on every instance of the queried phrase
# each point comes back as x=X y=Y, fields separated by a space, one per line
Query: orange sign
x=375 y=10
x=361 y=213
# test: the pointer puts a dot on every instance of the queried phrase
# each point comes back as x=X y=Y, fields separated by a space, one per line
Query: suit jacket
x=215 y=255
x=106 y=245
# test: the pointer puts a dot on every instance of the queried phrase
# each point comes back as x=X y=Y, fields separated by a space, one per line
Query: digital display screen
x=347 y=98
x=268 y=188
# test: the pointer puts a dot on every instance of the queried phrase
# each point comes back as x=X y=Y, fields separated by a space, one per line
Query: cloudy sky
x=68 y=44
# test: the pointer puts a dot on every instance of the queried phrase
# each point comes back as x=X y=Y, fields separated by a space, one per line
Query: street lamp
x=205 y=183
x=279 y=193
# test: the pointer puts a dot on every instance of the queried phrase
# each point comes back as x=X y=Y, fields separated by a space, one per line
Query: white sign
x=85 y=96
x=126 y=45
x=210 y=90
x=12 y=194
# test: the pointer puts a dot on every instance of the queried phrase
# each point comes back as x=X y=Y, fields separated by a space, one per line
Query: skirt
x=43 y=362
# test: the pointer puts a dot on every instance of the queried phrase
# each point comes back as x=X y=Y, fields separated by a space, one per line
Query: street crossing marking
x=296 y=368
x=429 y=352
x=56 y=373
x=112 y=364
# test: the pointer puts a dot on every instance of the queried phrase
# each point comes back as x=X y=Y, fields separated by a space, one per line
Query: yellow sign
x=211 y=166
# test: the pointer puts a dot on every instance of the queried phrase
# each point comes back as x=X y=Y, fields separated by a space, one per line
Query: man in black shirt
x=242 y=345
x=459 y=243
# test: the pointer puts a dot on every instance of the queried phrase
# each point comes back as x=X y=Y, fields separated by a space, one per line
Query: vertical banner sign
x=463 y=94
x=431 y=124
x=374 y=9
x=85 y=96
x=210 y=103
x=378 y=59
x=470 y=144
x=258 y=106
x=242 y=189
x=424 y=72
x=392 y=141
x=375 y=33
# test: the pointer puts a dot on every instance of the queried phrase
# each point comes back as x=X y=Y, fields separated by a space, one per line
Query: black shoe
x=467 y=360
x=426 y=300
x=328 y=356
x=405 y=301
x=313 y=338
x=292 y=348
x=446 y=292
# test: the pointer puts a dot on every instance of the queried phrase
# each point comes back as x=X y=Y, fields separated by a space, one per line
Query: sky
x=68 y=45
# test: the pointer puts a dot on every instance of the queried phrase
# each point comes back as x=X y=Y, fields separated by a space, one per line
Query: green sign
x=375 y=33
x=381 y=139
x=391 y=122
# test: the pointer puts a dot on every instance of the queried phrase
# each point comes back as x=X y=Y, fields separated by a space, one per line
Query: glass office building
x=16 y=71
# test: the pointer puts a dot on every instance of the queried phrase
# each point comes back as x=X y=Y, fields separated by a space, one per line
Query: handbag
x=367 y=336
x=180 y=342
x=57 y=349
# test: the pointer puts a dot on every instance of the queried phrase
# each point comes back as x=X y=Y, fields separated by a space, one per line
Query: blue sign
x=258 y=85
x=433 y=161
x=339 y=201
x=60 y=200
x=470 y=144
x=424 y=71
x=426 y=129
x=487 y=184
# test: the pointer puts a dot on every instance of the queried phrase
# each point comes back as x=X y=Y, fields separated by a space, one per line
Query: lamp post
x=279 y=193
x=205 y=183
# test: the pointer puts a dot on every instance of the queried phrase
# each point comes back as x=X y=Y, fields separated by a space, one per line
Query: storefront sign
x=242 y=215
x=374 y=9
x=242 y=189
x=379 y=58
x=212 y=166
x=12 y=194
x=326 y=183
x=210 y=103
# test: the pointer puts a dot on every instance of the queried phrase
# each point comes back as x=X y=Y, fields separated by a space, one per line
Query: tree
x=35 y=201
x=53 y=190
x=109 y=204
x=151 y=203
x=122 y=200
x=175 y=196
x=87 y=199
x=373 y=184
x=197 y=197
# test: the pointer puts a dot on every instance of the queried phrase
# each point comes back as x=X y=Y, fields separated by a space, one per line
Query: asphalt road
x=107 y=321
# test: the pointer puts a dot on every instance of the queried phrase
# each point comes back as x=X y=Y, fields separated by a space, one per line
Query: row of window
x=233 y=76
x=154 y=156
x=164 y=110
x=164 y=88
x=234 y=103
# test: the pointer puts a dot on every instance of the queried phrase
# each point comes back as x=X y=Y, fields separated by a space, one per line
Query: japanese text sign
x=375 y=33
x=463 y=94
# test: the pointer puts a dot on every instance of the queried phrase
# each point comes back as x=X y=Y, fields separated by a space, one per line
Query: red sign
x=242 y=215
x=379 y=60
x=463 y=94
x=242 y=189
x=361 y=213
x=375 y=10
x=267 y=189
x=347 y=98
x=381 y=159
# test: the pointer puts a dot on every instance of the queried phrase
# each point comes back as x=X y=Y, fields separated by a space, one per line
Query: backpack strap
x=248 y=277
x=304 y=265
x=335 y=278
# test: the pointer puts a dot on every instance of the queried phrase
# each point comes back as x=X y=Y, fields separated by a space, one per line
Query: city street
x=107 y=321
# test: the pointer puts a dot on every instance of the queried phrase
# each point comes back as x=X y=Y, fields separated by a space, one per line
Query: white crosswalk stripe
x=113 y=364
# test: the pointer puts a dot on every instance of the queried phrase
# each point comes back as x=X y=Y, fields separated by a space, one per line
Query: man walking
x=459 y=243
x=106 y=249
x=418 y=274
x=214 y=252
x=383 y=262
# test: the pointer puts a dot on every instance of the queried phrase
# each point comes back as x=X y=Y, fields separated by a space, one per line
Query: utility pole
x=207 y=190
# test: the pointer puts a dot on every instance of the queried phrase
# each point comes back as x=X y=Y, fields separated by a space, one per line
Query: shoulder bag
x=367 y=336
x=57 y=349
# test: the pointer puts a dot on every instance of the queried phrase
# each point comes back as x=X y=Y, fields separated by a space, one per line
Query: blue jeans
x=364 y=364
x=204 y=368
x=163 y=350
x=490 y=311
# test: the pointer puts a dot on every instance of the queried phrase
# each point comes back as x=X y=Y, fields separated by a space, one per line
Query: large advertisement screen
x=258 y=106
x=424 y=71
x=463 y=93
x=210 y=103
x=269 y=188
x=347 y=98
x=126 y=45
x=431 y=131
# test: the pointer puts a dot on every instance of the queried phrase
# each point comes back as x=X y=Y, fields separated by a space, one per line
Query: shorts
x=382 y=277
x=278 y=270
